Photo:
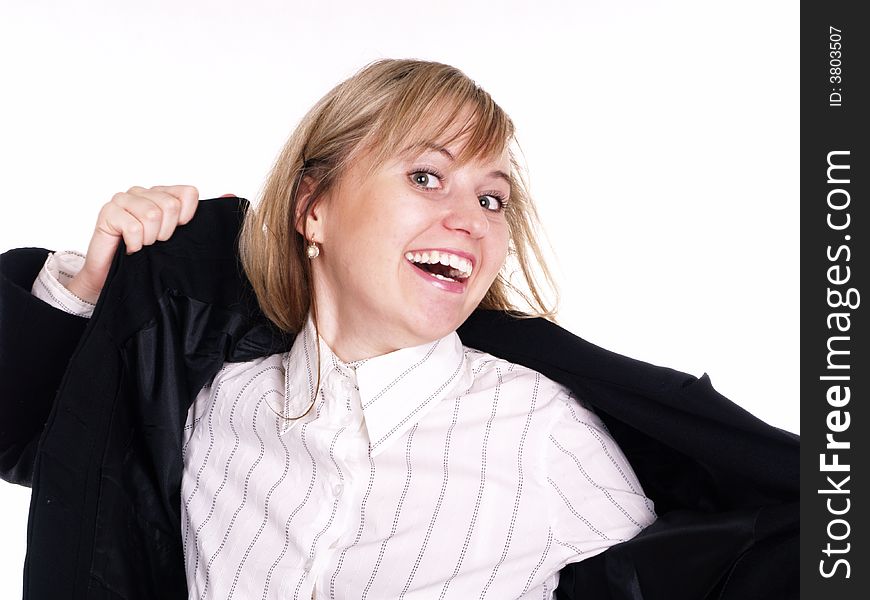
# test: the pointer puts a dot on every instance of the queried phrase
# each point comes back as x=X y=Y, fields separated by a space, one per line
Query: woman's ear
x=307 y=187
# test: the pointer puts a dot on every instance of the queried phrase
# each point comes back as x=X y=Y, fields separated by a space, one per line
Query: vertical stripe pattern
x=436 y=472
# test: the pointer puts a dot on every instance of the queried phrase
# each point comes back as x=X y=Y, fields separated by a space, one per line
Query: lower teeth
x=442 y=277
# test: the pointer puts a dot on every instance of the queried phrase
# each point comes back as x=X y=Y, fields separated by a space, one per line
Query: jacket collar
x=395 y=390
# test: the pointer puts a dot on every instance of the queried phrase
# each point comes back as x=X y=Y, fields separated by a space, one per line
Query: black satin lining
x=167 y=362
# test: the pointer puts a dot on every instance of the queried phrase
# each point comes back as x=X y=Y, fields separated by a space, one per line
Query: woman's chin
x=435 y=323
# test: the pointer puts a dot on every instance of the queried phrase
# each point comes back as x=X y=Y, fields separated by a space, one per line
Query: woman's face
x=380 y=279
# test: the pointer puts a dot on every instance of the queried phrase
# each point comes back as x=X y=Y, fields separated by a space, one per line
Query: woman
x=334 y=436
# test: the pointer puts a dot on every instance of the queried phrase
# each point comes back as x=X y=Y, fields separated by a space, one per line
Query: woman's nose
x=467 y=215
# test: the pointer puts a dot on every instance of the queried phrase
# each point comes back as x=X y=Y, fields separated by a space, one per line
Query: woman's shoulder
x=514 y=380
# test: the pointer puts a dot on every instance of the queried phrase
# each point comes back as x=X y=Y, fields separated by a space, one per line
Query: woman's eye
x=424 y=179
x=491 y=202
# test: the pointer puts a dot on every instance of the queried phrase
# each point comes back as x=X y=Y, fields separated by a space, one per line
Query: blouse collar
x=396 y=389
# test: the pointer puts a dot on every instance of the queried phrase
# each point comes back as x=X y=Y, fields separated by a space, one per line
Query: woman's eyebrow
x=432 y=147
x=422 y=147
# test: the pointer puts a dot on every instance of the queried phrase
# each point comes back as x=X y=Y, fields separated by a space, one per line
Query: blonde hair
x=387 y=107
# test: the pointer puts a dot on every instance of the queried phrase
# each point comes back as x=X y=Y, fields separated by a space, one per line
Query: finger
x=114 y=223
x=188 y=195
x=148 y=214
x=170 y=208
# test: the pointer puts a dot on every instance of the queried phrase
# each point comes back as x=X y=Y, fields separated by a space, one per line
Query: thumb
x=98 y=259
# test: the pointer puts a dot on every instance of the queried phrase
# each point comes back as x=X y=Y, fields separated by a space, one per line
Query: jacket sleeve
x=36 y=343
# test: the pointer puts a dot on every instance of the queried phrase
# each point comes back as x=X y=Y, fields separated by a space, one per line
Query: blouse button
x=308 y=564
x=337 y=490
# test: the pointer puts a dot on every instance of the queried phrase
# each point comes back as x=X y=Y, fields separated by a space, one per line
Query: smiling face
x=408 y=248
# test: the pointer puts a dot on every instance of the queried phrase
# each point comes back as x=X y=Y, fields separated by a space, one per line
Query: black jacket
x=91 y=413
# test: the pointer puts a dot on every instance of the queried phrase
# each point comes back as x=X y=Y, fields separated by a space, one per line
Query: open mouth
x=441 y=265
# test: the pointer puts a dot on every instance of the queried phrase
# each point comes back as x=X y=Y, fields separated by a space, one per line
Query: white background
x=661 y=140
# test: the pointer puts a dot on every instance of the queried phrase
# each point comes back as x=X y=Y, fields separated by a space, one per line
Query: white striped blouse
x=428 y=473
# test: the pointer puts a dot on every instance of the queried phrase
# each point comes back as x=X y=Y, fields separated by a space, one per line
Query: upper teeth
x=462 y=266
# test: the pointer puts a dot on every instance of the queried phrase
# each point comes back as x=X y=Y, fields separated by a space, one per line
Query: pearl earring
x=313 y=250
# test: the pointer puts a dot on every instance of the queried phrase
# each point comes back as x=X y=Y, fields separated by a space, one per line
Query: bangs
x=438 y=110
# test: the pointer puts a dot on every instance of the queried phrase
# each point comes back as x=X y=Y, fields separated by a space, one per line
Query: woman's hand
x=140 y=216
